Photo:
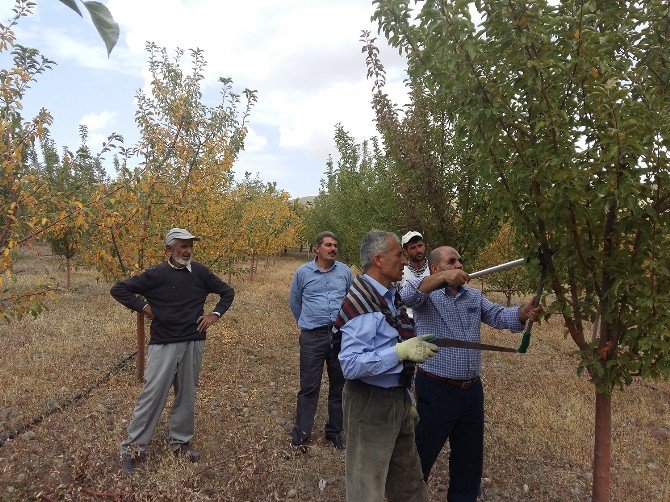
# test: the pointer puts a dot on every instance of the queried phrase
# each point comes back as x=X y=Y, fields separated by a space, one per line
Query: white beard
x=181 y=261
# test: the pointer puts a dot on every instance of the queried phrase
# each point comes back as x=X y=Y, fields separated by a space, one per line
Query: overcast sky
x=302 y=56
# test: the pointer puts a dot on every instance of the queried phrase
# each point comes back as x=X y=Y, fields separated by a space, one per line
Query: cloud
x=303 y=57
x=293 y=173
x=97 y=121
x=96 y=140
x=254 y=143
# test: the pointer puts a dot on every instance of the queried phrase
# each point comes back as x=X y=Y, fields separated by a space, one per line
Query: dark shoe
x=338 y=441
x=190 y=453
x=126 y=464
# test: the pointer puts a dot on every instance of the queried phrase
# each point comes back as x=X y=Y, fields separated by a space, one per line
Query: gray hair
x=321 y=236
x=375 y=242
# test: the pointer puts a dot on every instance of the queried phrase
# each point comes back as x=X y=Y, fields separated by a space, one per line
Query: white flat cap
x=179 y=233
x=409 y=236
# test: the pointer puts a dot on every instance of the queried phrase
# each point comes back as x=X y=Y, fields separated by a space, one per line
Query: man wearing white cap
x=173 y=296
x=415 y=251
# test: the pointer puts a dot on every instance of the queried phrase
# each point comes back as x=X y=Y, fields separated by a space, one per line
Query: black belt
x=327 y=327
x=461 y=384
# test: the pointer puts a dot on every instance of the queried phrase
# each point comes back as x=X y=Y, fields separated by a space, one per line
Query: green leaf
x=73 y=5
x=104 y=23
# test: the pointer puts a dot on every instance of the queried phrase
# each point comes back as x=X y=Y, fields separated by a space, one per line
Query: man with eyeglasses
x=450 y=398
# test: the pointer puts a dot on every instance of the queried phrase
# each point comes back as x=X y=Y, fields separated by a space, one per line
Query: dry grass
x=539 y=423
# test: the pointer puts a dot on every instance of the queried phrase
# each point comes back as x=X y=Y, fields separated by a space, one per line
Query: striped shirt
x=456 y=316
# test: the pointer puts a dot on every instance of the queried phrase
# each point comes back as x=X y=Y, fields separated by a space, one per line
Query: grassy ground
x=539 y=414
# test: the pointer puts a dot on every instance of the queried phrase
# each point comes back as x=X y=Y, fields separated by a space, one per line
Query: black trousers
x=315 y=349
x=449 y=413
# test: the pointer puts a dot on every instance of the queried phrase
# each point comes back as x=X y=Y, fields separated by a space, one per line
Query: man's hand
x=148 y=312
x=205 y=321
x=416 y=349
x=455 y=277
x=530 y=311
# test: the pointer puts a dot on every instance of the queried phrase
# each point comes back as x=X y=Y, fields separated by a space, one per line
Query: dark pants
x=315 y=348
x=449 y=413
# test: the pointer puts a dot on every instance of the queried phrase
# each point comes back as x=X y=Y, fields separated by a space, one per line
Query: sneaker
x=188 y=451
x=338 y=442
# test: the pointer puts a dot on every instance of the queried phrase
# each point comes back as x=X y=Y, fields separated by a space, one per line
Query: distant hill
x=306 y=201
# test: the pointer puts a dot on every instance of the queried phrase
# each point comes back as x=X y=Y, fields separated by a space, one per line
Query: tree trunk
x=68 y=268
x=602 y=458
x=140 y=346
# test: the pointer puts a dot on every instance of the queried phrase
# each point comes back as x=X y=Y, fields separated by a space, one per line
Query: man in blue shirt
x=317 y=291
x=381 y=454
x=450 y=398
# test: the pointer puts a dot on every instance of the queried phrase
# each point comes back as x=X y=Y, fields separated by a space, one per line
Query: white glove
x=416 y=349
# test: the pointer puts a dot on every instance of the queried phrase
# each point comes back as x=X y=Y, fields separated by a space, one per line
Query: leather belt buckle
x=466 y=384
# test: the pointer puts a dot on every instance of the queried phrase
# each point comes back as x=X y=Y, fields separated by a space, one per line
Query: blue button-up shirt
x=316 y=296
x=368 y=345
x=456 y=316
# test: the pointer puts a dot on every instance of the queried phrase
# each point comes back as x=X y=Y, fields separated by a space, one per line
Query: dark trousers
x=449 y=413
x=315 y=349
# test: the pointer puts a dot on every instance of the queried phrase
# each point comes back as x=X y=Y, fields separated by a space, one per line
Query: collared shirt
x=316 y=295
x=456 y=316
x=368 y=345
x=187 y=266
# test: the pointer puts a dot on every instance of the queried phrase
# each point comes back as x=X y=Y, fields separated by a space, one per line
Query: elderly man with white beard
x=173 y=295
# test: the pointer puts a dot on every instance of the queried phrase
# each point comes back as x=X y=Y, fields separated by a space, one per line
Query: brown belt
x=461 y=384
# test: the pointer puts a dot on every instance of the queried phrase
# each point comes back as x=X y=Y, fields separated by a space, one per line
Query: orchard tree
x=186 y=152
x=71 y=182
x=19 y=190
x=24 y=199
x=251 y=219
x=566 y=110
x=358 y=194
x=268 y=221
x=501 y=250
x=430 y=168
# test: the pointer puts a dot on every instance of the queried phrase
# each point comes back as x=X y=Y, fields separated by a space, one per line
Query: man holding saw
x=450 y=398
